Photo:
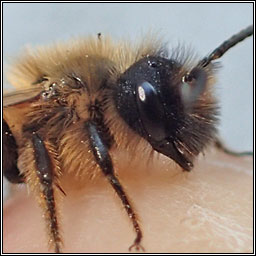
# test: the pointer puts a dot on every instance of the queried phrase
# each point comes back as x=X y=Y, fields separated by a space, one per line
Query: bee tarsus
x=137 y=246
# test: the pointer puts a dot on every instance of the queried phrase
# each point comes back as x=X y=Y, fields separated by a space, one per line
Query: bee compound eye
x=146 y=92
x=151 y=110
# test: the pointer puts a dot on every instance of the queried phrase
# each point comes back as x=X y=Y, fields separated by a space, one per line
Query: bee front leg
x=103 y=159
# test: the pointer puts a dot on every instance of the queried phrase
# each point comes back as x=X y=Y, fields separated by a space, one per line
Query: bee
x=80 y=101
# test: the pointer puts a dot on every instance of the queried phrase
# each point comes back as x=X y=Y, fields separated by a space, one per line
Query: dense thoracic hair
x=81 y=79
x=83 y=100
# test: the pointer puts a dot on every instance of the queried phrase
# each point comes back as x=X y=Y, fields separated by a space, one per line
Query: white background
x=201 y=25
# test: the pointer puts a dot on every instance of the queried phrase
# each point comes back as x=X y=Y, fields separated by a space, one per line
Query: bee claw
x=137 y=246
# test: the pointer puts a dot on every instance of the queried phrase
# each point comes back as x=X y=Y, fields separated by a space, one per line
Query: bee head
x=168 y=107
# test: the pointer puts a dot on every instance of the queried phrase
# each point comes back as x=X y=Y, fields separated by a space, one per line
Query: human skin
x=207 y=210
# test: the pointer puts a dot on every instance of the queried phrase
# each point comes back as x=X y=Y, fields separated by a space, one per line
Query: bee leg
x=219 y=145
x=10 y=156
x=45 y=174
x=103 y=159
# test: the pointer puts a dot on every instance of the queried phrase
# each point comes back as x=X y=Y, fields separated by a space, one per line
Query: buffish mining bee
x=78 y=101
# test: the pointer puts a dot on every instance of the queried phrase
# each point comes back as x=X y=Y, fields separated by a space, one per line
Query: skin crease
x=208 y=210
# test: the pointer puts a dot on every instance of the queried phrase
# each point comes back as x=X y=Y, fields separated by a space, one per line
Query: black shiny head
x=167 y=107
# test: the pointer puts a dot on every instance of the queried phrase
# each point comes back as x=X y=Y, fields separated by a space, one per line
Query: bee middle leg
x=39 y=165
x=103 y=159
x=46 y=175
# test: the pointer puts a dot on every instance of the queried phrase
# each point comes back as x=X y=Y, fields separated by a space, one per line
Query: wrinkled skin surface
x=209 y=209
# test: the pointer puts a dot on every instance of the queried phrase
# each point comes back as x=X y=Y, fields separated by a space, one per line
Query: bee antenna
x=192 y=93
x=225 y=46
